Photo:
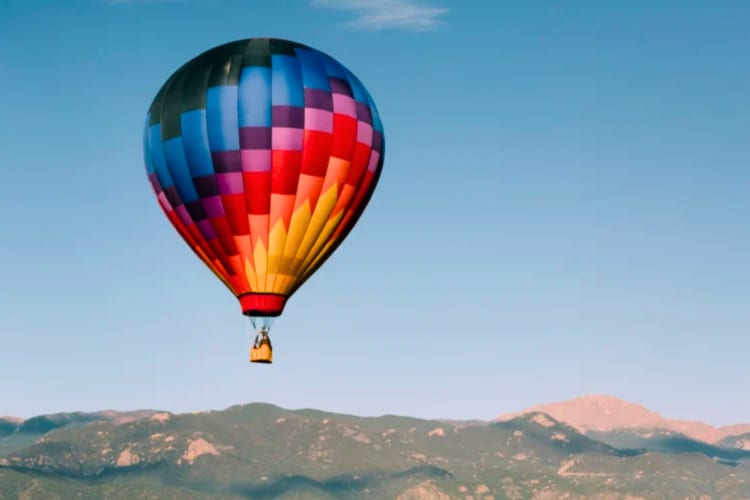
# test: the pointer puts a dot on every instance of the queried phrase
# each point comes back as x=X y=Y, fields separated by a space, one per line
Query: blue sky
x=563 y=211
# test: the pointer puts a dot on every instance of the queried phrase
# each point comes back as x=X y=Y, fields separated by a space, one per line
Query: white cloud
x=144 y=2
x=377 y=15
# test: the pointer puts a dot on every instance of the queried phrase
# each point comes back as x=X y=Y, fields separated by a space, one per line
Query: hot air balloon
x=263 y=154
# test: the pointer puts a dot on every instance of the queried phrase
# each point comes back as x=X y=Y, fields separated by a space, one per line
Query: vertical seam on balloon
x=298 y=269
x=225 y=258
x=253 y=240
x=296 y=211
x=242 y=175
x=270 y=190
x=297 y=264
x=270 y=174
x=229 y=211
x=245 y=258
x=292 y=275
x=299 y=168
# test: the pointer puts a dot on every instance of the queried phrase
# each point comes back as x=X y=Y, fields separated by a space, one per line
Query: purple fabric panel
x=318 y=119
x=364 y=133
x=344 y=105
x=213 y=206
x=256 y=160
x=206 y=229
x=319 y=99
x=374 y=159
x=288 y=116
x=377 y=141
x=206 y=186
x=226 y=161
x=364 y=113
x=287 y=139
x=196 y=210
x=339 y=86
x=255 y=138
x=155 y=185
x=163 y=202
x=173 y=197
x=184 y=216
x=230 y=183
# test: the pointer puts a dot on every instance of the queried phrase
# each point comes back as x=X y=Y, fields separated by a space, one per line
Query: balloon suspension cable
x=262 y=322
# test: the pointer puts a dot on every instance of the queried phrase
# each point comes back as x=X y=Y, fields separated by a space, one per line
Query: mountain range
x=594 y=447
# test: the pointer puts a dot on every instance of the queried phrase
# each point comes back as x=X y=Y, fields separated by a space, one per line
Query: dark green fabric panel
x=222 y=65
x=258 y=53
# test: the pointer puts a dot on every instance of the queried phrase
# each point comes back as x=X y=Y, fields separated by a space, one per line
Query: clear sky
x=563 y=210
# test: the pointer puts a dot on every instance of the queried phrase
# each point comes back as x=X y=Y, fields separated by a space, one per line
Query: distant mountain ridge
x=17 y=433
x=261 y=451
x=103 y=415
x=601 y=413
x=595 y=414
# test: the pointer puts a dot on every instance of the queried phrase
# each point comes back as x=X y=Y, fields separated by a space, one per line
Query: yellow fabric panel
x=260 y=259
x=323 y=242
x=284 y=283
x=252 y=278
x=321 y=213
x=297 y=229
x=276 y=240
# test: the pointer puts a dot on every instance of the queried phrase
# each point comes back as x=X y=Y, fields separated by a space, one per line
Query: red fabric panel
x=285 y=168
x=257 y=192
x=315 y=153
x=344 y=136
x=236 y=213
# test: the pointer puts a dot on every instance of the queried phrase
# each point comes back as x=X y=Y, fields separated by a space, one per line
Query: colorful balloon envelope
x=263 y=153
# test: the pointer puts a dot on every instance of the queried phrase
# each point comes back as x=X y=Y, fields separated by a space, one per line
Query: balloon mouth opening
x=262 y=304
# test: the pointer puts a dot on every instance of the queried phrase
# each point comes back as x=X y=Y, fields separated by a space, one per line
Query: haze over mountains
x=608 y=449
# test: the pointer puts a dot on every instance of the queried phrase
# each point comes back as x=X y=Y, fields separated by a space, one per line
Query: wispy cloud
x=378 y=15
x=143 y=2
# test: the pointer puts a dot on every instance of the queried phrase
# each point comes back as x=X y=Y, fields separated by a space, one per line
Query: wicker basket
x=261 y=352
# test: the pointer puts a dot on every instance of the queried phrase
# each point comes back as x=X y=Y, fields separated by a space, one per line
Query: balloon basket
x=261 y=351
x=262 y=354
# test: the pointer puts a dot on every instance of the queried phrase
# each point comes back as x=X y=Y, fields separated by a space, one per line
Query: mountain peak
x=603 y=413
x=605 y=402
x=597 y=412
x=602 y=399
